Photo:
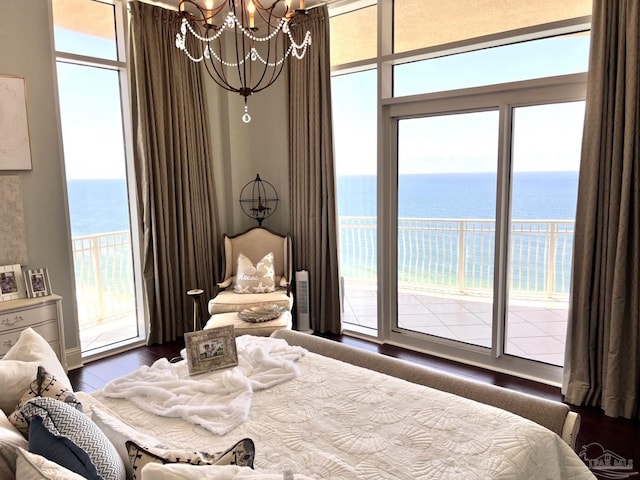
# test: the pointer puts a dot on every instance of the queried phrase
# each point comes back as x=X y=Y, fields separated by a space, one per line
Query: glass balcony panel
x=546 y=159
x=93 y=142
x=354 y=119
x=447 y=180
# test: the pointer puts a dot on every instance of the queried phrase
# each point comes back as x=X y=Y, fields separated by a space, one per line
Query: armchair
x=257 y=271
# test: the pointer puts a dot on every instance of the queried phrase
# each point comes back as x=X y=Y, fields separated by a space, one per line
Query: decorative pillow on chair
x=259 y=278
x=62 y=434
x=241 y=454
x=44 y=385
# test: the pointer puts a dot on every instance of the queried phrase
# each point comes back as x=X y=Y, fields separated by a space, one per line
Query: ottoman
x=261 y=329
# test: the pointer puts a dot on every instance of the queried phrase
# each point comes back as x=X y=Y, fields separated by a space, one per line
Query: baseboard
x=74 y=358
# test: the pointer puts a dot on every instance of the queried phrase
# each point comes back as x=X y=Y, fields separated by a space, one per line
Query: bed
x=354 y=414
x=297 y=407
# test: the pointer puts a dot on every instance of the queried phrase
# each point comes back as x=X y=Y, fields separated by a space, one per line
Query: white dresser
x=43 y=314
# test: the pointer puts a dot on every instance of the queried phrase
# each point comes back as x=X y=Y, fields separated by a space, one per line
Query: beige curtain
x=311 y=173
x=175 y=186
x=603 y=362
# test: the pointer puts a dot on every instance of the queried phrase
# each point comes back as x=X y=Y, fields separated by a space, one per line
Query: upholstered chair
x=257 y=272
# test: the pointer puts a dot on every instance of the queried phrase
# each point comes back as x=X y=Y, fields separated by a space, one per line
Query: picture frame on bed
x=211 y=349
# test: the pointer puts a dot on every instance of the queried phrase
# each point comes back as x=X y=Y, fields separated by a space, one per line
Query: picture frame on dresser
x=37 y=282
x=12 y=285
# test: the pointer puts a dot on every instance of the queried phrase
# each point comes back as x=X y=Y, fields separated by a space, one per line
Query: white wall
x=26 y=51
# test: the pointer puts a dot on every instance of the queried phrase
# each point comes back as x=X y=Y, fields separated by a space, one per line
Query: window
x=466 y=98
x=355 y=149
x=91 y=75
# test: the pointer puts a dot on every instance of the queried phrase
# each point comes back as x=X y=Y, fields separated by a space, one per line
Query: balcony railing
x=458 y=254
x=104 y=277
x=434 y=254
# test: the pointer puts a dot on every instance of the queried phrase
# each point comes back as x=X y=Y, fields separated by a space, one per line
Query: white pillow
x=185 y=471
x=259 y=278
x=31 y=347
x=15 y=378
x=10 y=440
x=30 y=466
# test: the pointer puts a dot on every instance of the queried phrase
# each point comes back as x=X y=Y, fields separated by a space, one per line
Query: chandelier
x=243 y=44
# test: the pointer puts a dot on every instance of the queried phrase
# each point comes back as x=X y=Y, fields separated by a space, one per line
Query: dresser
x=43 y=314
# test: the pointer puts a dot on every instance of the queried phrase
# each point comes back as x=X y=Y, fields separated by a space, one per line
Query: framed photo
x=15 y=150
x=37 y=281
x=211 y=349
x=11 y=283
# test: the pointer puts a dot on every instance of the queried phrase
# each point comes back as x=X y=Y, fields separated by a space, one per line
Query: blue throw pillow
x=60 y=450
x=72 y=435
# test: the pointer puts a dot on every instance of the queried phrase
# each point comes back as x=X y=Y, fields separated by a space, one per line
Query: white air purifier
x=302 y=301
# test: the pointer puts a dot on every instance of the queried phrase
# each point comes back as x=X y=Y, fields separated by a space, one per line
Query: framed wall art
x=211 y=349
x=38 y=284
x=15 y=149
x=12 y=284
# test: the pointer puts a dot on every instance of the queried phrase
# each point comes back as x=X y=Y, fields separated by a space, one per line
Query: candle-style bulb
x=251 y=8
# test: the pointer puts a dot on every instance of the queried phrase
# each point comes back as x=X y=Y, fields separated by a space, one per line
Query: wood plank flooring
x=619 y=436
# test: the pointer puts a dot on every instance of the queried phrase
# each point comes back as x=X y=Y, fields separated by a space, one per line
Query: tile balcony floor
x=535 y=329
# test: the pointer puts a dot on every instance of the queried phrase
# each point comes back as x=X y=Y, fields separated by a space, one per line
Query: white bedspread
x=218 y=400
x=338 y=421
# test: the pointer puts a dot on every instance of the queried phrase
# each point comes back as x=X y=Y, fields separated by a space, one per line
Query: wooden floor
x=619 y=436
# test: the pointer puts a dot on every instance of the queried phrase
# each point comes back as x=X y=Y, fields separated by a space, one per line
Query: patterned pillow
x=45 y=385
x=62 y=434
x=241 y=454
x=255 y=279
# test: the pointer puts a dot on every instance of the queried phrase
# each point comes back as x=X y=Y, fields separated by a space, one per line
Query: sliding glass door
x=447 y=170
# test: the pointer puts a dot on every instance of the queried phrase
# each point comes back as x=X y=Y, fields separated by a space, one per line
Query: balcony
x=104 y=289
x=445 y=280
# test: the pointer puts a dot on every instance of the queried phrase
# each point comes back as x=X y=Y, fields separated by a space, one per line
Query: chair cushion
x=258 y=278
x=261 y=329
x=228 y=301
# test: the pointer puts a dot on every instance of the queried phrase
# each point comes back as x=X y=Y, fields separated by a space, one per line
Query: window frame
x=390 y=109
x=120 y=66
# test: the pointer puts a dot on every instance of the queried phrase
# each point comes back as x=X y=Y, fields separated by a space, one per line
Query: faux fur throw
x=218 y=400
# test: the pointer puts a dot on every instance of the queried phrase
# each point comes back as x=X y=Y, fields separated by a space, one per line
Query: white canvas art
x=15 y=151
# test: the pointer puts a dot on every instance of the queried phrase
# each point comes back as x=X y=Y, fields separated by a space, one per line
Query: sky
x=546 y=138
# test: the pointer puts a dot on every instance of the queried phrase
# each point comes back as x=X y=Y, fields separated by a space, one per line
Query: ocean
x=99 y=206
x=536 y=195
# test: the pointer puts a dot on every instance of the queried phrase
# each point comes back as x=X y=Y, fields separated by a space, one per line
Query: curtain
x=311 y=173
x=602 y=358
x=175 y=184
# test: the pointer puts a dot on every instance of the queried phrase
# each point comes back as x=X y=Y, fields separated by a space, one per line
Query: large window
x=91 y=74
x=478 y=127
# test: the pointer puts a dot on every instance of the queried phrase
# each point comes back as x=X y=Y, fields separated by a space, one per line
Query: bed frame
x=555 y=416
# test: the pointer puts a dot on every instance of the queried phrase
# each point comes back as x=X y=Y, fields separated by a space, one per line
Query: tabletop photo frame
x=12 y=286
x=211 y=349
x=37 y=281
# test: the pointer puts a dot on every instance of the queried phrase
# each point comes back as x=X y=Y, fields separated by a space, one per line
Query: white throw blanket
x=218 y=400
